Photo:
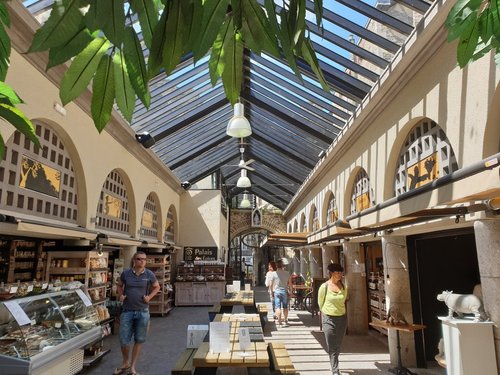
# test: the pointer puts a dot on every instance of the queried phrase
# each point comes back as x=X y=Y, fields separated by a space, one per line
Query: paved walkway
x=361 y=355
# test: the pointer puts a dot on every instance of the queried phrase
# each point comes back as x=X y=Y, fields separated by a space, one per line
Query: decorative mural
x=39 y=177
x=426 y=155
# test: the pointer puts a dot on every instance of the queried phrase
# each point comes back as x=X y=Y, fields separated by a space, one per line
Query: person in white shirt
x=280 y=284
x=271 y=270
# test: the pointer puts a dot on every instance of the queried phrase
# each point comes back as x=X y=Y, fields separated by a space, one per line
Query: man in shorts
x=135 y=288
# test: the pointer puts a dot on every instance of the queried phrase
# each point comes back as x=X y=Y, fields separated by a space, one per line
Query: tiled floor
x=361 y=355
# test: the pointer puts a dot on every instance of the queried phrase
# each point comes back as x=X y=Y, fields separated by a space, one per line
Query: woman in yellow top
x=332 y=296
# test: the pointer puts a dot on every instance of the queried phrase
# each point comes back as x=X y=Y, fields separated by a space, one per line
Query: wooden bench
x=280 y=359
x=184 y=365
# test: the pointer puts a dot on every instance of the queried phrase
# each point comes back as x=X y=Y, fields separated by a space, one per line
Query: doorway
x=437 y=262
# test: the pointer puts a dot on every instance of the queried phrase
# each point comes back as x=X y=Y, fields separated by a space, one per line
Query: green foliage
x=8 y=97
x=476 y=25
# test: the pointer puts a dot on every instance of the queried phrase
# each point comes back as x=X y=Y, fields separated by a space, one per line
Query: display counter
x=46 y=334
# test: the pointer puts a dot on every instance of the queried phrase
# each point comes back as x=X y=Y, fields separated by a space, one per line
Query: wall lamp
x=145 y=139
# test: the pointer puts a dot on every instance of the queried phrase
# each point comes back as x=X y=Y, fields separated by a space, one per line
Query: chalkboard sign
x=200 y=253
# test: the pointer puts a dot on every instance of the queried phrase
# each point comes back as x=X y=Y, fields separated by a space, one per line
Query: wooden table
x=241 y=298
x=207 y=363
x=400 y=370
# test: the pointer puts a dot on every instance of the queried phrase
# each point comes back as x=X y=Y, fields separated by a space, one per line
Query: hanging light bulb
x=238 y=126
x=245 y=202
x=243 y=181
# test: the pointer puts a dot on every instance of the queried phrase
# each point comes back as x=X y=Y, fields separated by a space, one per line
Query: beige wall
x=93 y=155
x=202 y=222
x=464 y=103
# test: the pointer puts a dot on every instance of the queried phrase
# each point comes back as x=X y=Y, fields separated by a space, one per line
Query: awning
x=333 y=232
x=153 y=245
x=425 y=215
x=34 y=229
x=113 y=239
x=285 y=239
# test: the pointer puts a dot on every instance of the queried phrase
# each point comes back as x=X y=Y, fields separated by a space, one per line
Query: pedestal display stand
x=468 y=346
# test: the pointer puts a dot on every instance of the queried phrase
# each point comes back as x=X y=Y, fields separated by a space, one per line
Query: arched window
x=314 y=219
x=149 y=223
x=39 y=180
x=331 y=210
x=362 y=195
x=113 y=210
x=169 y=235
x=425 y=156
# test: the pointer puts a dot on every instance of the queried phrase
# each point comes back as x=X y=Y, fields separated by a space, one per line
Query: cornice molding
x=23 y=27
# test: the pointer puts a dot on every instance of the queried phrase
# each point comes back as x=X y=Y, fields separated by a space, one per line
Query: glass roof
x=292 y=121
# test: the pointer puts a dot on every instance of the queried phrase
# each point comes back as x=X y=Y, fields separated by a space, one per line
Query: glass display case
x=40 y=333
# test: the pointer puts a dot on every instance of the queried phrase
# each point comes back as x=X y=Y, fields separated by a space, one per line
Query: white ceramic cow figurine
x=463 y=304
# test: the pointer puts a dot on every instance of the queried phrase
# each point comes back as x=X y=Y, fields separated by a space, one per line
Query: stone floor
x=361 y=355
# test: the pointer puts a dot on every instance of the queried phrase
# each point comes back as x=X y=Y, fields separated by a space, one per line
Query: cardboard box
x=196 y=334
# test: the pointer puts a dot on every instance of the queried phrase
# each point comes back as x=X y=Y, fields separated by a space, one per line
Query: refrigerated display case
x=45 y=334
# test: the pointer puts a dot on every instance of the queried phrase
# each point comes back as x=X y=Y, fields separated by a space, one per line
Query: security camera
x=186 y=185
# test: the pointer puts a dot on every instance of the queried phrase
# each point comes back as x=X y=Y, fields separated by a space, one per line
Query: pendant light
x=245 y=202
x=238 y=126
x=243 y=181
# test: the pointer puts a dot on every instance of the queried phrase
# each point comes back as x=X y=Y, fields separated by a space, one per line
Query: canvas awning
x=285 y=239
x=34 y=229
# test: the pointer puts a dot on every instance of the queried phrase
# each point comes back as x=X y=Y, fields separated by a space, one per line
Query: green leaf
x=9 y=95
x=113 y=20
x=178 y=33
x=75 y=45
x=124 y=92
x=5 y=49
x=310 y=56
x=232 y=75
x=136 y=66
x=467 y=44
x=256 y=29
x=155 y=59
x=282 y=37
x=103 y=93
x=147 y=10
x=457 y=29
x=20 y=121
x=64 y=21
x=486 y=25
x=82 y=69
x=300 y=24
x=495 y=12
x=216 y=62
x=461 y=11
x=286 y=45
x=196 y=13
x=318 y=10
x=4 y=15
x=214 y=13
x=92 y=16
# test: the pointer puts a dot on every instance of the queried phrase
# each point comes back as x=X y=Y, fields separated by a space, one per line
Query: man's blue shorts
x=133 y=323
